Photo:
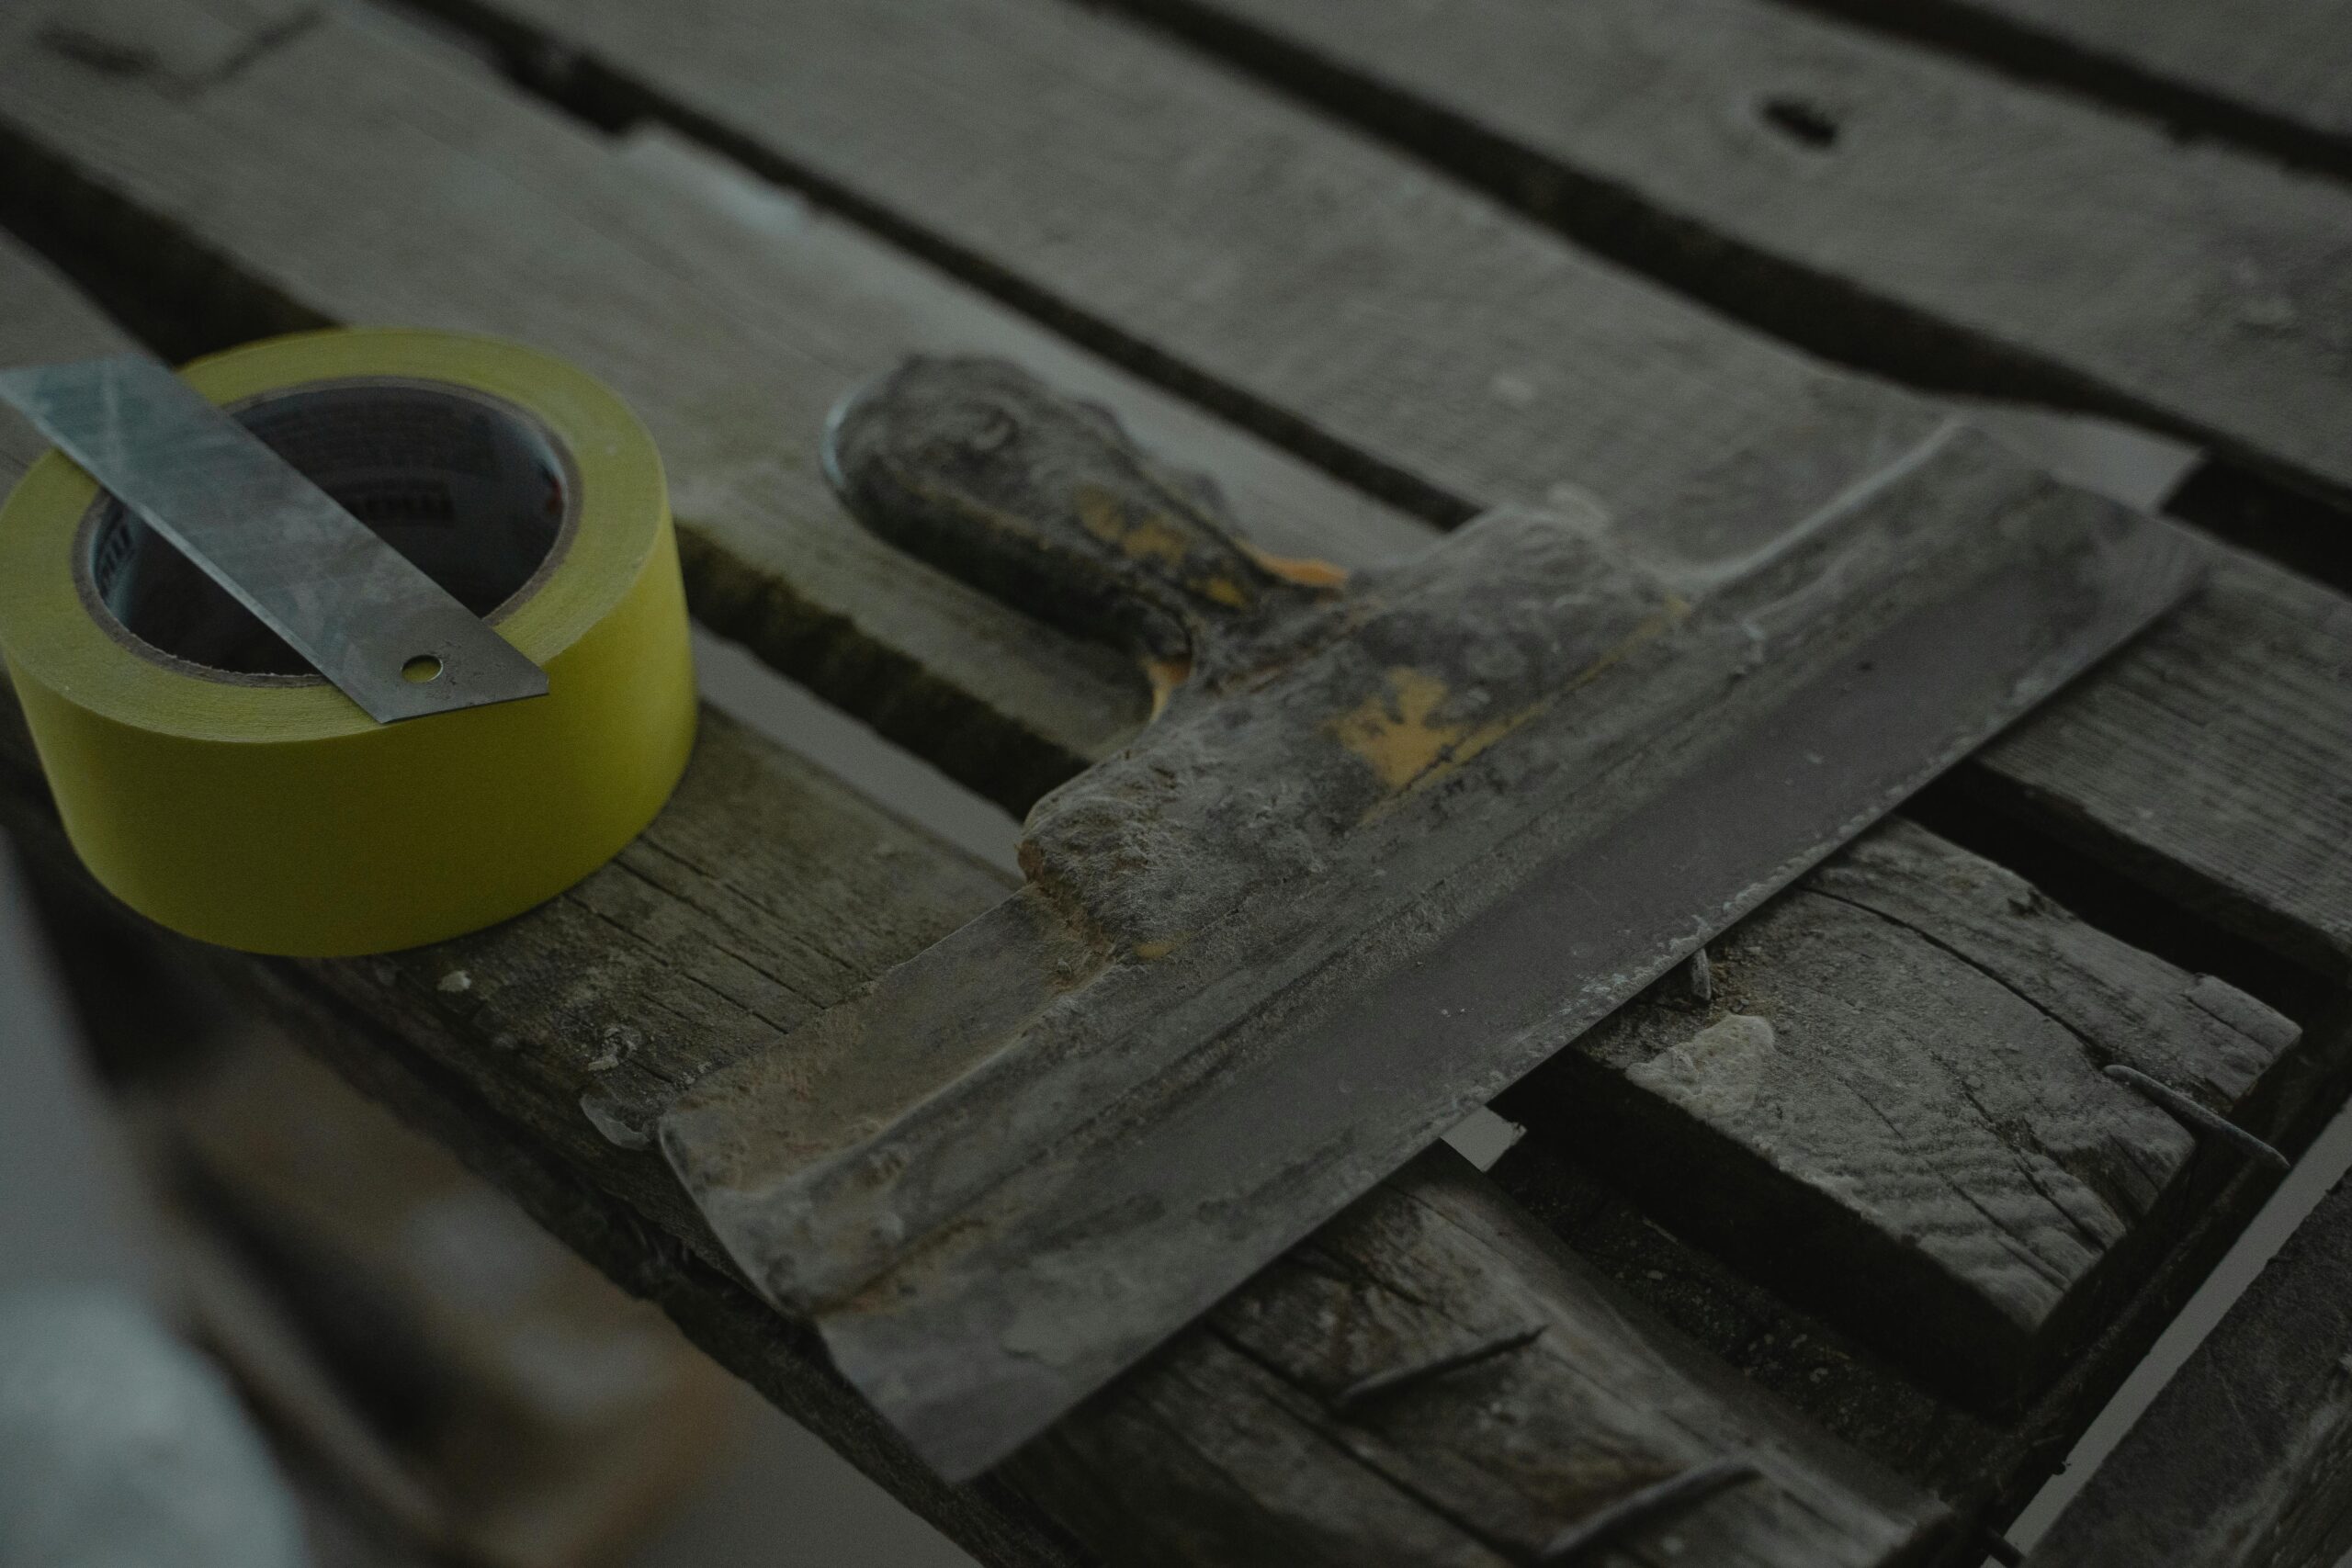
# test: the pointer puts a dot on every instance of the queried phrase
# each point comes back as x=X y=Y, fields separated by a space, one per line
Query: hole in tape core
x=469 y=487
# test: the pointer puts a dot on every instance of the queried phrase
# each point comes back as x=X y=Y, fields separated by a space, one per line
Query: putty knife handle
x=1047 y=504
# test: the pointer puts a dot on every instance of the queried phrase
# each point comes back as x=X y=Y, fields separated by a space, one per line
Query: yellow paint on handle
x=1304 y=571
x=274 y=814
x=1153 y=540
x=1146 y=537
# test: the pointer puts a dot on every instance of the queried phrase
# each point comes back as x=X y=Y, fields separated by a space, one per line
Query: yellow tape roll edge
x=277 y=818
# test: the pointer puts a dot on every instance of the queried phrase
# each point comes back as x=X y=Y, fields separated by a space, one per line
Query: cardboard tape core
x=213 y=783
x=469 y=488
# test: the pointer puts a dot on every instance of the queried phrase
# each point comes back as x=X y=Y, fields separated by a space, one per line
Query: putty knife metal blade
x=1386 y=849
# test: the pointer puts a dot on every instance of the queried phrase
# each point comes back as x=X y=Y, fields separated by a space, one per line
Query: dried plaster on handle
x=1397 y=734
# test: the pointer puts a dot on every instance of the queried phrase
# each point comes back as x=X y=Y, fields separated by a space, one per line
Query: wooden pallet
x=1378 y=268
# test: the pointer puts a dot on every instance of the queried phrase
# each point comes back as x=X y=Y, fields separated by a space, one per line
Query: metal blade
x=390 y=638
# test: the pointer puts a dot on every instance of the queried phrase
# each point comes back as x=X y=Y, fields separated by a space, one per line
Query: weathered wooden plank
x=1408 y=332
x=1430 y=1266
x=2267 y=72
x=1902 y=1062
x=560 y=243
x=1990 y=1466
x=263 y=211
x=2245 y=1461
x=766 y=889
x=1873 y=198
x=1410 y=335
x=2210 y=761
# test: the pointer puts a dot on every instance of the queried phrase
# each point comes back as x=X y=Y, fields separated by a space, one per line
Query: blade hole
x=422 y=668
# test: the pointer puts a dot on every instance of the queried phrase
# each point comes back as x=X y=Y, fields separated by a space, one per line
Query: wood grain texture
x=1424 y=1268
x=1989 y=1465
x=1892 y=205
x=2209 y=760
x=1900 y=1063
x=540 y=1048
x=2245 y=1461
x=1355 y=305
x=2268 y=71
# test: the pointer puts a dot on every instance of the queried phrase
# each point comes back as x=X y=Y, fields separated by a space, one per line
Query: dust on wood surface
x=2264 y=63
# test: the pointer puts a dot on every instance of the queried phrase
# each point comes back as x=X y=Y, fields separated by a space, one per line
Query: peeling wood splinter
x=2197 y=1118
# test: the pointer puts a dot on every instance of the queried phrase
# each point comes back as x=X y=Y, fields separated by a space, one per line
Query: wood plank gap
x=1985 y=1467
x=198 y=302
x=2302 y=532
x=1840 y=318
x=1974 y=808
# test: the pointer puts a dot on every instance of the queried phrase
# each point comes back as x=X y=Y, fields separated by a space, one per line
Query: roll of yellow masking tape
x=214 y=784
